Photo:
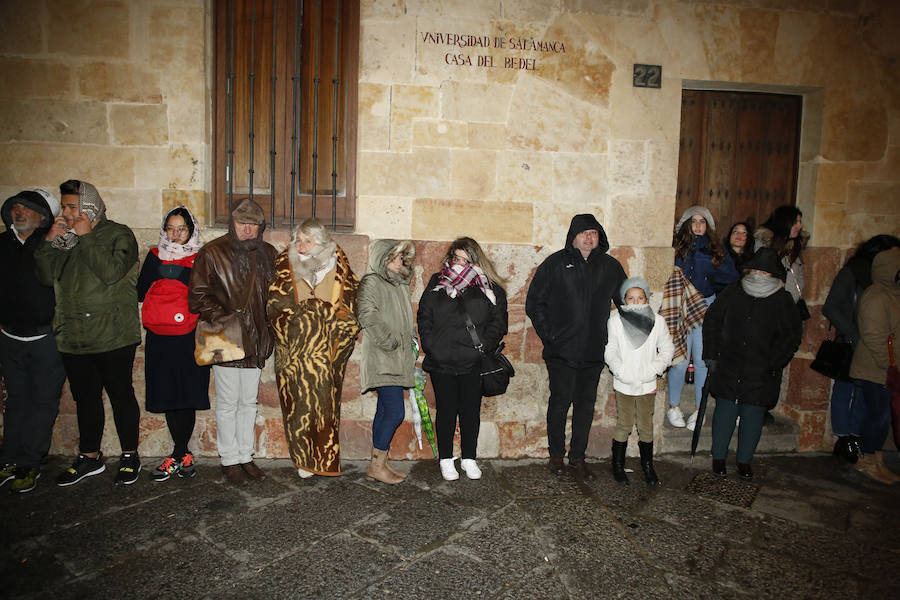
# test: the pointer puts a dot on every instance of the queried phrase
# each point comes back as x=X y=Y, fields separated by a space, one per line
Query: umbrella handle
x=891 y=349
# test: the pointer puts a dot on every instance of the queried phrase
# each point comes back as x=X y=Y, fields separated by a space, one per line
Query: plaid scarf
x=683 y=308
x=91 y=204
x=456 y=278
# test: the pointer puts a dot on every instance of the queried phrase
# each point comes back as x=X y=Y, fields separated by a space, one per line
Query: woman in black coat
x=467 y=283
x=750 y=333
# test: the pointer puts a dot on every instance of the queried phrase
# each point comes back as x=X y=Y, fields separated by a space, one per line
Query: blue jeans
x=676 y=373
x=848 y=408
x=749 y=431
x=878 y=416
x=388 y=415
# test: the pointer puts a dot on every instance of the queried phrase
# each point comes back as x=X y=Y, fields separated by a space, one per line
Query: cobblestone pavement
x=806 y=527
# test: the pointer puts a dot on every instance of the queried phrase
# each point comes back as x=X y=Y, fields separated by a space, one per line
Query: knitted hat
x=248 y=211
x=696 y=210
x=634 y=282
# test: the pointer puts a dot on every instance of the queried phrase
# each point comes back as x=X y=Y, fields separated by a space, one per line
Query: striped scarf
x=456 y=278
x=683 y=308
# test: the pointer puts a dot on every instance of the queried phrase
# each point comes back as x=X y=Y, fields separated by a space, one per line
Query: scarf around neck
x=456 y=278
x=169 y=250
x=91 y=204
x=637 y=320
x=760 y=286
x=313 y=267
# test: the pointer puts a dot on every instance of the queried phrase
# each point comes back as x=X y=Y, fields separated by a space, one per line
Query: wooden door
x=738 y=154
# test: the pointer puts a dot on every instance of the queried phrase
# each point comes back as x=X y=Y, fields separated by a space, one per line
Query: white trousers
x=236 y=391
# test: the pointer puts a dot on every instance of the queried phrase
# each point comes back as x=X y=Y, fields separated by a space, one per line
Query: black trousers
x=576 y=388
x=34 y=376
x=89 y=375
x=457 y=397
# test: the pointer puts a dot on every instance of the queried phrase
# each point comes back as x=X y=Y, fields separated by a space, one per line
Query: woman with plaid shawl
x=467 y=287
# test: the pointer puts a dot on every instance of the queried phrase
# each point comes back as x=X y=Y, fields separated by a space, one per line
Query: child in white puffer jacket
x=638 y=351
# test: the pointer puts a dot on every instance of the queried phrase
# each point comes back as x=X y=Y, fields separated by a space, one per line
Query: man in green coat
x=92 y=264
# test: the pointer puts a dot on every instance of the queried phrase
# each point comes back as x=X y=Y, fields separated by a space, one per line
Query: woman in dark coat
x=467 y=283
x=739 y=243
x=848 y=408
x=750 y=333
x=176 y=385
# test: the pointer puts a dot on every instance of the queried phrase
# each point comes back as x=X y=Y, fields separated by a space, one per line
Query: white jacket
x=635 y=369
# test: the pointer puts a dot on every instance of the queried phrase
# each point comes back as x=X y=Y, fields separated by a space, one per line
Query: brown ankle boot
x=868 y=466
x=886 y=472
x=388 y=466
x=378 y=468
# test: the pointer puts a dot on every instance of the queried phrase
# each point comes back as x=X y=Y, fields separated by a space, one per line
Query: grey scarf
x=91 y=204
x=760 y=286
x=637 y=320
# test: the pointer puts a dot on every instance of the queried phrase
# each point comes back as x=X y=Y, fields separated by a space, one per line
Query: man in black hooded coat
x=31 y=363
x=569 y=303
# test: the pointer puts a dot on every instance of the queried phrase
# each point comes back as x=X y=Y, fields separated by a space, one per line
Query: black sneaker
x=7 y=473
x=186 y=468
x=165 y=470
x=129 y=468
x=26 y=480
x=81 y=468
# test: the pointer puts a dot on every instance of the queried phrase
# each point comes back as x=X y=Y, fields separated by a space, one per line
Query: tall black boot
x=618 y=462
x=646 y=449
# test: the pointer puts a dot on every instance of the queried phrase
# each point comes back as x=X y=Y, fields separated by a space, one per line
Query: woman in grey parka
x=388 y=344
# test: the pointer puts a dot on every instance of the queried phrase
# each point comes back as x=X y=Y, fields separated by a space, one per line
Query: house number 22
x=648 y=76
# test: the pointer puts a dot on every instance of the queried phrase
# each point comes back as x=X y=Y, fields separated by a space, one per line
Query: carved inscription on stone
x=492 y=52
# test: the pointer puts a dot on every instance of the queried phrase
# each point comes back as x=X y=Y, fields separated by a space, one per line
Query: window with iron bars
x=285 y=109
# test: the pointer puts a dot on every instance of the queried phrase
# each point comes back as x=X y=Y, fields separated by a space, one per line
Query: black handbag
x=496 y=370
x=833 y=359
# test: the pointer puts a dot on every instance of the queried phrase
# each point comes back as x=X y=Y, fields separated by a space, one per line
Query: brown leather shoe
x=253 y=471
x=556 y=466
x=234 y=474
x=581 y=470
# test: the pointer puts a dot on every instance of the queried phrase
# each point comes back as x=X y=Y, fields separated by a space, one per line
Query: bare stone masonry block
x=29 y=78
x=21 y=27
x=139 y=125
x=89 y=27
x=119 y=83
x=53 y=121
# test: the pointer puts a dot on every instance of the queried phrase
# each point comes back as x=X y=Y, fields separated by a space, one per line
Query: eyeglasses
x=176 y=229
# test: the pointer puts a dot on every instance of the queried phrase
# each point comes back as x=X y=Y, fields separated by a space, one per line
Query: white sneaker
x=692 y=421
x=675 y=416
x=304 y=474
x=448 y=471
x=471 y=468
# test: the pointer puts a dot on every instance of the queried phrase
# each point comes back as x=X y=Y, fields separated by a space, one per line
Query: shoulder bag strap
x=470 y=327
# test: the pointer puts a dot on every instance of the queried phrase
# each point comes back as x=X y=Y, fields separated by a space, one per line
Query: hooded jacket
x=751 y=339
x=569 y=299
x=385 y=314
x=879 y=317
x=225 y=272
x=26 y=305
x=95 y=285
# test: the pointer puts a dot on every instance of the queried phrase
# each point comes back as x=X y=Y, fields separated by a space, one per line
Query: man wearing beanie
x=569 y=303
x=231 y=275
x=92 y=264
x=31 y=364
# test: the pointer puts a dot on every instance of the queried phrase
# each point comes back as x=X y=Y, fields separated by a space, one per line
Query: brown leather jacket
x=222 y=271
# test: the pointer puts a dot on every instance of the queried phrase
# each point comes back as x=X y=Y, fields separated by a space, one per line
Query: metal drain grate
x=728 y=490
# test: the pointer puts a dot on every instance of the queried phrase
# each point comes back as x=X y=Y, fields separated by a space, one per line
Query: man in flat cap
x=231 y=276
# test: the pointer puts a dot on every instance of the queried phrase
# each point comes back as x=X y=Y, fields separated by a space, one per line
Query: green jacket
x=385 y=315
x=96 y=289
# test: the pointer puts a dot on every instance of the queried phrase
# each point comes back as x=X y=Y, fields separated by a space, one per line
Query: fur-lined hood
x=380 y=254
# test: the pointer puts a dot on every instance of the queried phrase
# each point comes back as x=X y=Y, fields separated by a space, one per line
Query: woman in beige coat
x=879 y=317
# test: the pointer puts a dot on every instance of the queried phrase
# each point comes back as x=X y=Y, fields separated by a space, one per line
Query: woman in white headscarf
x=175 y=384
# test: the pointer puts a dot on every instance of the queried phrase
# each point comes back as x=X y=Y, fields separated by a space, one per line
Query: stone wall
x=117 y=93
